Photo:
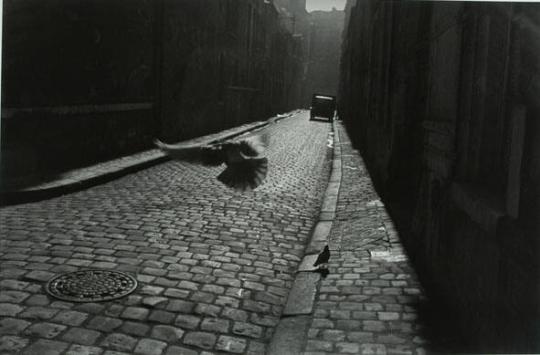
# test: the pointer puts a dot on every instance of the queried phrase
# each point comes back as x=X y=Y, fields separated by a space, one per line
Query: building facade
x=442 y=100
x=88 y=81
x=325 y=52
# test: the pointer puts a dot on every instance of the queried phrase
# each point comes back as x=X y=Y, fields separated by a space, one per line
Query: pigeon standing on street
x=323 y=257
x=246 y=164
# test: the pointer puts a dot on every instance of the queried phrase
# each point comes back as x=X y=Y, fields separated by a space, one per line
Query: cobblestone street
x=270 y=177
x=214 y=266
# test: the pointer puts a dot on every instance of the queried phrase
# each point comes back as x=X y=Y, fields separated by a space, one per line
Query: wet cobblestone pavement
x=366 y=305
x=214 y=266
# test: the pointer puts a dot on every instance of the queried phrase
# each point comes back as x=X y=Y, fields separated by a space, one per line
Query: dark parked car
x=323 y=106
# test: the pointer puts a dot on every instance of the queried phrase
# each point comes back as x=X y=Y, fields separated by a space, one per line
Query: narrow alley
x=269 y=177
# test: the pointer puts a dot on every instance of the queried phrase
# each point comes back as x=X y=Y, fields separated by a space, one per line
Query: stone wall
x=439 y=97
x=88 y=81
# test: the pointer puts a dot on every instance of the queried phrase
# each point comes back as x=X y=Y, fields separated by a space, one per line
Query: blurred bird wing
x=253 y=146
x=245 y=175
x=200 y=154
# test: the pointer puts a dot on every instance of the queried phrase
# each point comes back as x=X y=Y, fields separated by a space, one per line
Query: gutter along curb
x=290 y=335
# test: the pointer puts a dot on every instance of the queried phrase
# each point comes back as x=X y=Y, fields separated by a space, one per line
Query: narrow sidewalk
x=368 y=302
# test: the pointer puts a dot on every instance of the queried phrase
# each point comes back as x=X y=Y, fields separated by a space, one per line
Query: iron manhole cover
x=91 y=286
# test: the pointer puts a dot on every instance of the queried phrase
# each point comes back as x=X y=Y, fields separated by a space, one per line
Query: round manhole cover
x=91 y=286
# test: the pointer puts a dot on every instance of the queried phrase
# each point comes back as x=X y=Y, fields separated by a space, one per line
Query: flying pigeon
x=323 y=257
x=246 y=164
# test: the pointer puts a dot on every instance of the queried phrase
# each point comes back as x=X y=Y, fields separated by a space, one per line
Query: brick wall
x=439 y=99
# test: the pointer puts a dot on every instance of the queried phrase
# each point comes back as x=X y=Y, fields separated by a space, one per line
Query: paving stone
x=333 y=335
x=373 y=326
x=44 y=330
x=339 y=314
x=10 y=344
x=215 y=325
x=391 y=339
x=11 y=296
x=180 y=306
x=115 y=310
x=373 y=307
x=38 y=313
x=9 y=309
x=213 y=289
x=135 y=328
x=187 y=322
x=207 y=309
x=348 y=348
x=347 y=324
x=200 y=339
x=247 y=329
x=388 y=315
x=12 y=326
x=365 y=315
x=394 y=308
x=316 y=345
x=258 y=307
x=150 y=347
x=72 y=318
x=81 y=336
x=13 y=285
x=112 y=352
x=227 y=301
x=151 y=290
x=178 y=350
x=37 y=300
x=202 y=297
x=231 y=344
x=399 y=350
x=11 y=273
x=39 y=275
x=167 y=333
x=136 y=313
x=153 y=301
x=77 y=349
x=264 y=320
x=224 y=281
x=105 y=324
x=188 y=285
x=360 y=337
x=269 y=298
x=176 y=293
x=161 y=317
x=373 y=349
x=119 y=342
x=46 y=347
x=92 y=308
x=322 y=323
x=234 y=314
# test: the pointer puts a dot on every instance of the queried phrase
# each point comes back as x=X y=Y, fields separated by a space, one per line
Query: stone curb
x=290 y=334
x=89 y=180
